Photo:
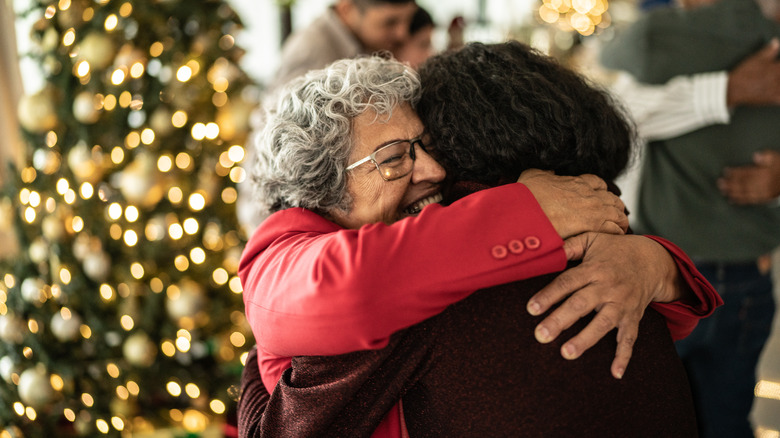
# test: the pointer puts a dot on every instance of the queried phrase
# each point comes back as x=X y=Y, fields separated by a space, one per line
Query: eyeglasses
x=394 y=160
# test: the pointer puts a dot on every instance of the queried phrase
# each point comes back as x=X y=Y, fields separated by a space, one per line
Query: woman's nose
x=426 y=168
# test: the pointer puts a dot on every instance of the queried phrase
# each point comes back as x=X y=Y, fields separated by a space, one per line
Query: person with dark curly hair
x=476 y=369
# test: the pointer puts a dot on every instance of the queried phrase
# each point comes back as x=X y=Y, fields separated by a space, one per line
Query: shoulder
x=285 y=224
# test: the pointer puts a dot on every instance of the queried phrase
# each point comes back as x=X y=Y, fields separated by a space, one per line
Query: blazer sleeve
x=682 y=316
x=325 y=293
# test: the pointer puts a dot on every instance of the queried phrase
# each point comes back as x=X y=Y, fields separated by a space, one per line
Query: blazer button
x=532 y=242
x=499 y=251
x=516 y=246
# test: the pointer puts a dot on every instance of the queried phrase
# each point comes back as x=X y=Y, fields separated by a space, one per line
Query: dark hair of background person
x=364 y=4
x=496 y=110
x=420 y=20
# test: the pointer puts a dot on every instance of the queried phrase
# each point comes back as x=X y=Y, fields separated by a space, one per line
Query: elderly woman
x=372 y=252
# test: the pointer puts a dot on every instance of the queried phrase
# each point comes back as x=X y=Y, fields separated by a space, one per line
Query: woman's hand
x=576 y=204
x=618 y=278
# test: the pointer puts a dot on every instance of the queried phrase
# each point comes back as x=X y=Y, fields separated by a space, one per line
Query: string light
x=102 y=425
x=107 y=292
x=175 y=231
x=127 y=323
x=168 y=348
x=156 y=49
x=113 y=370
x=197 y=201
x=237 y=339
x=87 y=190
x=179 y=119
x=580 y=15
x=87 y=400
x=110 y=102
x=117 y=423
x=118 y=77
x=133 y=387
x=220 y=276
x=130 y=237
x=82 y=69
x=198 y=131
x=236 y=153
x=192 y=390
x=111 y=22
x=190 y=226
x=229 y=195
x=184 y=73
x=69 y=37
x=183 y=160
x=217 y=406
x=197 y=255
x=173 y=388
x=77 y=224
x=147 y=136
x=165 y=162
x=122 y=392
x=114 y=211
x=131 y=213
x=235 y=285
x=117 y=155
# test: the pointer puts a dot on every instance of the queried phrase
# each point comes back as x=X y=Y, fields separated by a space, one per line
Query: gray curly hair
x=303 y=149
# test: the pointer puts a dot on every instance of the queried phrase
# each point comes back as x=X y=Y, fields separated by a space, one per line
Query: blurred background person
x=419 y=46
x=345 y=30
x=690 y=178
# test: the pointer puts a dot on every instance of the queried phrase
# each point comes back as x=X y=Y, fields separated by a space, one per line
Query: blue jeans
x=722 y=352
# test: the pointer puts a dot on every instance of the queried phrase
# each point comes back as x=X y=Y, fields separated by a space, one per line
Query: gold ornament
x=140 y=181
x=37 y=112
x=160 y=122
x=84 y=109
x=12 y=328
x=7 y=368
x=53 y=228
x=35 y=388
x=49 y=40
x=129 y=55
x=97 y=265
x=97 y=49
x=84 y=164
x=32 y=290
x=38 y=250
x=65 y=329
x=233 y=119
x=139 y=350
x=13 y=432
x=188 y=303
x=46 y=160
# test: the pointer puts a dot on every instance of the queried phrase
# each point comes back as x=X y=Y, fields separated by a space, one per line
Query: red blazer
x=314 y=288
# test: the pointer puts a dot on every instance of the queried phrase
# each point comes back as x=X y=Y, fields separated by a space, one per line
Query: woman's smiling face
x=373 y=198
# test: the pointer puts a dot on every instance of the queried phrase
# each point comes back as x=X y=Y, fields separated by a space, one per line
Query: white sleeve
x=682 y=105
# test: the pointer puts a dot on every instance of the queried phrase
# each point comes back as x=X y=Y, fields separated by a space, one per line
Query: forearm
x=682 y=105
x=351 y=289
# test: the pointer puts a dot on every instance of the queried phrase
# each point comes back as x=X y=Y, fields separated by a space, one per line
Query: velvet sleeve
x=682 y=316
x=313 y=289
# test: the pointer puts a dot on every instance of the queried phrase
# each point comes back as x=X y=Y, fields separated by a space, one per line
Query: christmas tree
x=120 y=309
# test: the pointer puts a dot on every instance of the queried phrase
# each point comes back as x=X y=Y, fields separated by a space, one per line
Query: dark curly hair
x=496 y=110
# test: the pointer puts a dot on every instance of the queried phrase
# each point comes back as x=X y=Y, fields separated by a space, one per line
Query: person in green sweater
x=689 y=194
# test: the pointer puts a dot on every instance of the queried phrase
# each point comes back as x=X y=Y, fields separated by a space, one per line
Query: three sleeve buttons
x=515 y=247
